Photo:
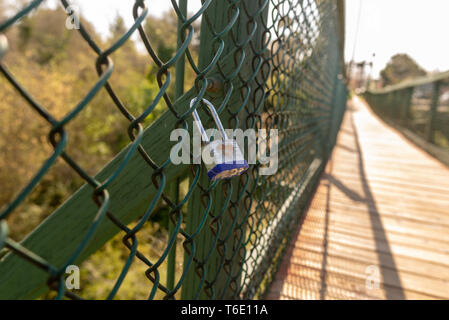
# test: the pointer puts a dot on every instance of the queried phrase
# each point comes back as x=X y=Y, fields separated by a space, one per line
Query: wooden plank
x=371 y=257
x=364 y=235
x=400 y=209
x=339 y=237
x=392 y=209
x=305 y=282
x=394 y=182
x=355 y=273
x=389 y=225
x=308 y=287
x=416 y=254
x=397 y=248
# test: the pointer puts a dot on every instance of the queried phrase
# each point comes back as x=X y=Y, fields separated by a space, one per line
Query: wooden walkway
x=378 y=225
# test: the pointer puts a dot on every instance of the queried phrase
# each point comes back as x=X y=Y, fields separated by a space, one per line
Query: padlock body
x=223 y=159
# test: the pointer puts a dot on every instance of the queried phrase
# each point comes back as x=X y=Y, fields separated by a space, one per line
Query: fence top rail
x=443 y=76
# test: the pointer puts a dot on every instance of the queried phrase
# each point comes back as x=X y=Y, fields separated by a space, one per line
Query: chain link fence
x=264 y=64
x=420 y=109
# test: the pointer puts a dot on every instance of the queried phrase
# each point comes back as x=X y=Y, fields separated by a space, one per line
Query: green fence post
x=192 y=287
x=174 y=190
x=433 y=111
x=171 y=259
x=213 y=270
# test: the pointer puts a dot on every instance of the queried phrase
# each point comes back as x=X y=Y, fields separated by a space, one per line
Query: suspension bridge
x=377 y=226
x=358 y=208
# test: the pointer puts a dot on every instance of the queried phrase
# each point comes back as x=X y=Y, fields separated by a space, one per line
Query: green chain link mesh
x=419 y=107
x=279 y=66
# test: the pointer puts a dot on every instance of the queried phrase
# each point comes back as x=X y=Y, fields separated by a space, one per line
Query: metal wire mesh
x=419 y=106
x=277 y=65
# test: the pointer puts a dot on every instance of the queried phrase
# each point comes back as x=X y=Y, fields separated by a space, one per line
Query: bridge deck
x=381 y=212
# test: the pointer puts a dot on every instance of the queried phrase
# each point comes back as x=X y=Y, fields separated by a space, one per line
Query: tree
x=162 y=32
x=2 y=10
x=400 y=68
x=118 y=27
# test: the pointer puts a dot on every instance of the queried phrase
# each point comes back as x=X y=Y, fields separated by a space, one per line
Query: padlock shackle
x=215 y=116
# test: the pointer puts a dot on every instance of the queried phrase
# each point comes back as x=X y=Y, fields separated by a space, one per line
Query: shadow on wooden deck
x=364 y=235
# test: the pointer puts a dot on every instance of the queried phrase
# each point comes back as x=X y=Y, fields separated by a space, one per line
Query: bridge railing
x=420 y=109
x=274 y=65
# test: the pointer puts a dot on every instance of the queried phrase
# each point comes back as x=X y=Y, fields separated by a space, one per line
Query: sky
x=102 y=12
x=386 y=27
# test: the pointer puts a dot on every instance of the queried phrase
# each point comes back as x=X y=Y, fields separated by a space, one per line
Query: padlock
x=223 y=157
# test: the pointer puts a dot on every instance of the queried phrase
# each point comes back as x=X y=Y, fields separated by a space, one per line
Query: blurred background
x=390 y=41
x=387 y=42
x=42 y=51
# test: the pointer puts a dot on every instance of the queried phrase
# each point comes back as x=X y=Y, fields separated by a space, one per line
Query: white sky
x=387 y=27
x=102 y=12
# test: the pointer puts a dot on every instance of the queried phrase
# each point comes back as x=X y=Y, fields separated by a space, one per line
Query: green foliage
x=58 y=68
x=163 y=34
x=400 y=68
x=100 y=272
x=441 y=139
